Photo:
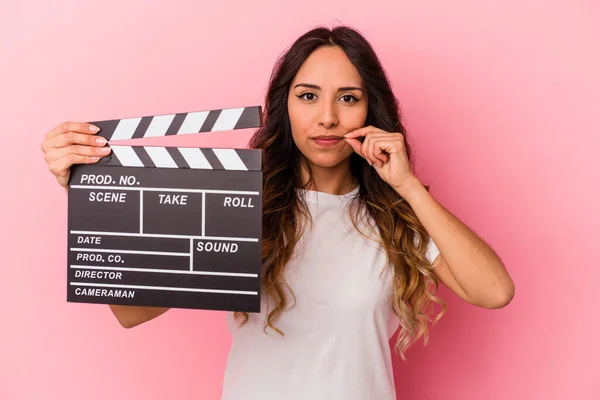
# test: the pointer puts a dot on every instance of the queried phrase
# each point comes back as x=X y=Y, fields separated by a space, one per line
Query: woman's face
x=327 y=99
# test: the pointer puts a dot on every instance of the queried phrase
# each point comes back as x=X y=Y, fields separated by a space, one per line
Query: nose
x=328 y=117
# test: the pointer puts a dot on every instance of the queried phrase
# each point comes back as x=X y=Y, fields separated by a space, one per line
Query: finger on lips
x=370 y=130
x=375 y=145
x=356 y=145
x=362 y=132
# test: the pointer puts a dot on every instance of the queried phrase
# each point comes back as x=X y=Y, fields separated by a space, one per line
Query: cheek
x=301 y=121
x=300 y=127
x=353 y=118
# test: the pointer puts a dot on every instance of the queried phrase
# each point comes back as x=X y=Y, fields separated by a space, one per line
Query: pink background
x=502 y=100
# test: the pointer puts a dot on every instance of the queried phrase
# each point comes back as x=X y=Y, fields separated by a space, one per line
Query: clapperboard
x=176 y=227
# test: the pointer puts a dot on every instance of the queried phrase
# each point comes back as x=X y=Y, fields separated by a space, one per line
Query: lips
x=327 y=140
x=327 y=137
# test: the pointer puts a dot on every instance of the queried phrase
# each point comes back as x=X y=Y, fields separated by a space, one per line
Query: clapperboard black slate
x=168 y=226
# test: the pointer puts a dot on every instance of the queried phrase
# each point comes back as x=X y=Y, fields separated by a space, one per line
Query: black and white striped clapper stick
x=177 y=227
x=226 y=119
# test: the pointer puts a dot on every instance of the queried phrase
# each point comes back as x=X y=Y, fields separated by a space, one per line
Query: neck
x=333 y=180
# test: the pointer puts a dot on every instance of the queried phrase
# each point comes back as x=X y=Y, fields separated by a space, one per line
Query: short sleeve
x=432 y=250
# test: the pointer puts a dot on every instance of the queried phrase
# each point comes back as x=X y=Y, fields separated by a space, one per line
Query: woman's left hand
x=384 y=151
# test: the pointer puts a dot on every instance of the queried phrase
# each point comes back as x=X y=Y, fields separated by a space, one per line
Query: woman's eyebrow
x=316 y=87
x=346 y=88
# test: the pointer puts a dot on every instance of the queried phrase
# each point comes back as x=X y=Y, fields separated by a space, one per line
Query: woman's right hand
x=72 y=143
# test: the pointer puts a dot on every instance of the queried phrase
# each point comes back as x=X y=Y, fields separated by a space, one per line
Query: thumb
x=356 y=145
x=63 y=180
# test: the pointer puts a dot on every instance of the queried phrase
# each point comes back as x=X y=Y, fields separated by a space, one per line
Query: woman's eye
x=349 y=98
x=307 y=96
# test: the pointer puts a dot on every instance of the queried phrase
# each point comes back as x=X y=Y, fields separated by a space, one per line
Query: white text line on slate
x=165 y=236
x=156 y=253
x=166 y=271
x=153 y=189
x=164 y=288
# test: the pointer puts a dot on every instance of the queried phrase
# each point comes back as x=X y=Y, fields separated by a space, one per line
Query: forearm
x=474 y=264
x=131 y=316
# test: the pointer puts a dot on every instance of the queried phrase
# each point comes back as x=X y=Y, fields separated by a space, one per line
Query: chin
x=327 y=160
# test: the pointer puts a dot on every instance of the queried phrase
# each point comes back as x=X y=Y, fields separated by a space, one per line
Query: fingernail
x=94 y=128
x=105 y=150
x=101 y=141
x=95 y=158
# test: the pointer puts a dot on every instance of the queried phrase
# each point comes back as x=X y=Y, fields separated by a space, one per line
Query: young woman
x=354 y=245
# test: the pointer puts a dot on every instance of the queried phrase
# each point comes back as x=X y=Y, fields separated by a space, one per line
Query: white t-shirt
x=337 y=335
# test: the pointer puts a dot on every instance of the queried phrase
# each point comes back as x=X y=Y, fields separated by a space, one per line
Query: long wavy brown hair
x=284 y=210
